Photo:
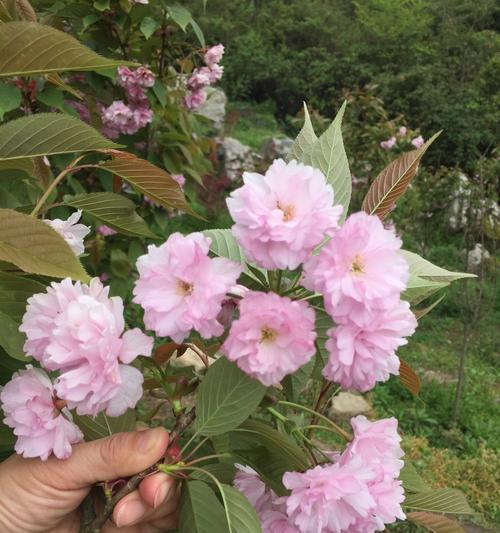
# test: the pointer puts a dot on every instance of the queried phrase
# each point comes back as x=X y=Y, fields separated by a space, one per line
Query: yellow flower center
x=184 y=288
x=268 y=334
x=288 y=212
x=357 y=266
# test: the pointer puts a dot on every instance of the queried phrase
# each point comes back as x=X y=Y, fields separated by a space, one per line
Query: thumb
x=120 y=455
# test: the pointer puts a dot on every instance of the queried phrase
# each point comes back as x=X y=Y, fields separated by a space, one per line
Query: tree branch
x=181 y=424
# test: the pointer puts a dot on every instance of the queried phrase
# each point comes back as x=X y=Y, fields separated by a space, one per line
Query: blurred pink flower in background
x=418 y=141
x=387 y=145
x=402 y=131
x=214 y=55
x=105 y=231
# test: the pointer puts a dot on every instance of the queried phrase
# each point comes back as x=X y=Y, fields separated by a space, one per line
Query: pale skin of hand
x=44 y=496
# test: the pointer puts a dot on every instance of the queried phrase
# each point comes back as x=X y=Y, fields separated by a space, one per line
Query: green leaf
x=225 y=245
x=10 y=98
x=35 y=247
x=242 y=516
x=200 y=510
x=56 y=51
x=14 y=293
x=180 y=15
x=323 y=324
x=120 y=264
x=114 y=210
x=56 y=80
x=425 y=269
x=7 y=438
x=160 y=92
x=393 y=181
x=148 y=179
x=11 y=339
x=328 y=155
x=102 y=426
x=419 y=289
x=48 y=134
x=412 y=482
x=198 y=32
x=25 y=165
x=295 y=383
x=51 y=97
x=439 y=501
x=148 y=26
x=226 y=397
x=8 y=11
x=101 y=5
x=304 y=140
x=435 y=522
x=224 y=472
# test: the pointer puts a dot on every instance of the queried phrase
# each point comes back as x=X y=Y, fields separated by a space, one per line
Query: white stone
x=237 y=157
x=215 y=107
x=347 y=404
x=476 y=257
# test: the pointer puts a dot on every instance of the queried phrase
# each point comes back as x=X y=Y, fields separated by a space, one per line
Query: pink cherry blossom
x=402 y=131
x=200 y=78
x=118 y=115
x=248 y=482
x=72 y=232
x=78 y=330
x=41 y=428
x=105 y=231
x=216 y=73
x=213 y=55
x=144 y=76
x=418 y=141
x=361 y=356
x=181 y=288
x=329 y=498
x=142 y=117
x=282 y=216
x=387 y=145
x=274 y=521
x=180 y=179
x=195 y=99
x=273 y=337
x=360 y=264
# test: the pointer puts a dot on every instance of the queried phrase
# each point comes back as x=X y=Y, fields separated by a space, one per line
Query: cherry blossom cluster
x=128 y=118
x=77 y=333
x=358 y=492
x=417 y=142
x=71 y=231
x=203 y=77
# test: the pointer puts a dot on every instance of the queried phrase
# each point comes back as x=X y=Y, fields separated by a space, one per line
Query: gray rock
x=476 y=257
x=276 y=148
x=347 y=404
x=215 y=107
x=237 y=158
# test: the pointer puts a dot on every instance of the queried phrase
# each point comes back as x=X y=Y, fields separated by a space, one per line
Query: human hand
x=37 y=496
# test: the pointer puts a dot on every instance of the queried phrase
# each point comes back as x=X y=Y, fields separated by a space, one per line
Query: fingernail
x=161 y=494
x=146 y=439
x=130 y=513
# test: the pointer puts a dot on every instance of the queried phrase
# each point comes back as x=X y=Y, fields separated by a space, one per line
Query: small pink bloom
x=181 y=288
x=117 y=115
x=216 y=73
x=70 y=231
x=105 y=231
x=200 y=78
x=104 y=277
x=81 y=109
x=273 y=337
x=402 y=131
x=142 y=117
x=418 y=141
x=213 y=55
x=248 y=482
x=282 y=216
x=361 y=356
x=78 y=330
x=125 y=76
x=180 y=179
x=329 y=499
x=136 y=96
x=360 y=264
x=387 y=145
x=195 y=99
x=144 y=76
x=273 y=521
x=41 y=429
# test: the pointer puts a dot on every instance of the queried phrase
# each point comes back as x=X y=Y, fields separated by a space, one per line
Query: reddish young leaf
x=408 y=377
x=392 y=182
x=435 y=522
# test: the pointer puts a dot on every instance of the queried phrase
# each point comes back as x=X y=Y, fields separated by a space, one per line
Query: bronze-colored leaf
x=408 y=377
x=56 y=80
x=25 y=10
x=392 y=182
x=435 y=522
x=147 y=178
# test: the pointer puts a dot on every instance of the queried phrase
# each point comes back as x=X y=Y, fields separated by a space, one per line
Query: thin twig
x=182 y=422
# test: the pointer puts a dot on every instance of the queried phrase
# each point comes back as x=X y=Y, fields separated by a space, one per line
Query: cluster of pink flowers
x=121 y=118
x=181 y=288
x=106 y=231
x=72 y=232
x=203 y=77
x=417 y=142
x=77 y=332
x=359 y=492
x=361 y=276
